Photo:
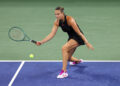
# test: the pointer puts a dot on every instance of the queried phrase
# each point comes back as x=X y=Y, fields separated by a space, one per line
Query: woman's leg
x=67 y=53
x=71 y=58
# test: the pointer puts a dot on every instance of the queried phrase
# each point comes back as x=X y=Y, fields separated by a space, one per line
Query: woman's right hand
x=38 y=43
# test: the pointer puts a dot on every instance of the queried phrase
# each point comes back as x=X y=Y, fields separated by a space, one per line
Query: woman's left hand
x=89 y=46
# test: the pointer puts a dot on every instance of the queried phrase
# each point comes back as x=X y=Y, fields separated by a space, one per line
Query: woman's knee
x=65 y=48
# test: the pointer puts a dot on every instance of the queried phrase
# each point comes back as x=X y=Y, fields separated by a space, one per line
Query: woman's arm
x=51 y=35
x=72 y=23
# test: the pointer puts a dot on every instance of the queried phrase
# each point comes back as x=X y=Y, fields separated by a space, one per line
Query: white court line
x=15 y=75
x=58 y=60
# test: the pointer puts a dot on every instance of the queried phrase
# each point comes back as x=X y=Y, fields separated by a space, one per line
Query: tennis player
x=76 y=38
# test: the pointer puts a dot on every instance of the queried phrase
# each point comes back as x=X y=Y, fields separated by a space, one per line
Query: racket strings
x=17 y=34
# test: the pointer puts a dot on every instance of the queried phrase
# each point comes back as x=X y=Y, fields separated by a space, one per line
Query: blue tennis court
x=41 y=73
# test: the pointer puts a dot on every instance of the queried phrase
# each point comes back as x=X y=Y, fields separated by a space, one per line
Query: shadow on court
x=44 y=74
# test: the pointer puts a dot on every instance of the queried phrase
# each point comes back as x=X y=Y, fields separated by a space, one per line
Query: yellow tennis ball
x=31 y=55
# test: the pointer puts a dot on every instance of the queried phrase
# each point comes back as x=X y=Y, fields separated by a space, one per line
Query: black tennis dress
x=70 y=31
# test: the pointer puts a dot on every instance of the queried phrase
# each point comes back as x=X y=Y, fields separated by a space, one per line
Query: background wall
x=99 y=20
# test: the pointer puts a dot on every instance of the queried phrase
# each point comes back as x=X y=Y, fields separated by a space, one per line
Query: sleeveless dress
x=70 y=31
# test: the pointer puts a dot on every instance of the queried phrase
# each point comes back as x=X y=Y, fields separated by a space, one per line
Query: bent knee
x=65 y=48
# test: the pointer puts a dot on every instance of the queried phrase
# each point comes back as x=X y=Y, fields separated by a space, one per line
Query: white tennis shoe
x=62 y=74
x=76 y=62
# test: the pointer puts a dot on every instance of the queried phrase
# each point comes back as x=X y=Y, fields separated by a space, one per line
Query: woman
x=76 y=38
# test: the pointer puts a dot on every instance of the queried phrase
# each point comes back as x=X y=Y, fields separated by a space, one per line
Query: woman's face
x=58 y=14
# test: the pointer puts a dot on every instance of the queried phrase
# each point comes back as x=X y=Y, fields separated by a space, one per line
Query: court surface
x=43 y=73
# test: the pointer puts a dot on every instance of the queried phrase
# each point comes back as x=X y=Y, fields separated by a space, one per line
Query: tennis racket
x=17 y=34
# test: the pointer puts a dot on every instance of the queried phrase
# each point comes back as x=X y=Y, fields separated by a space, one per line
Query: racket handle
x=33 y=41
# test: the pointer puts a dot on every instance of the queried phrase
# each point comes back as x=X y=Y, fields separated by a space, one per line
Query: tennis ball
x=31 y=55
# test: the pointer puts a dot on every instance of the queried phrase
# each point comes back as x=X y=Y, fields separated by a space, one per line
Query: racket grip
x=33 y=41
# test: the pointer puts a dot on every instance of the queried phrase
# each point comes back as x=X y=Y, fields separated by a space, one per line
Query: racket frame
x=25 y=36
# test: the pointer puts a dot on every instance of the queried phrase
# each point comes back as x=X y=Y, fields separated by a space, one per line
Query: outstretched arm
x=50 y=36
